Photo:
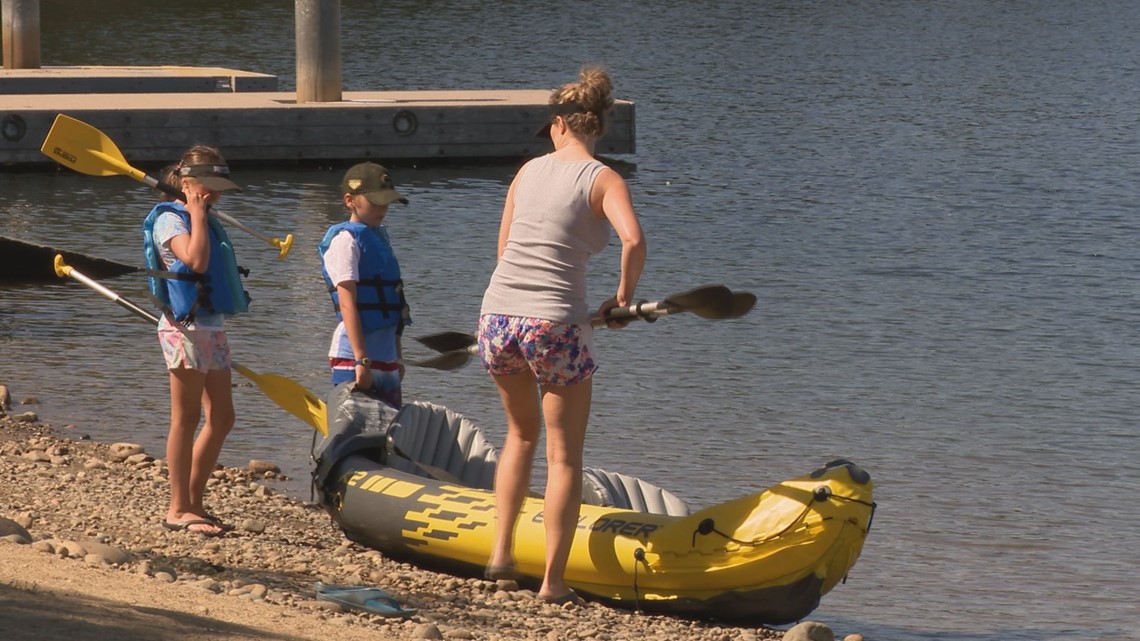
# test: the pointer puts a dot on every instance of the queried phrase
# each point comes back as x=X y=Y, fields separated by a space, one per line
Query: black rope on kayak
x=638 y=557
x=708 y=526
x=821 y=494
x=871 y=505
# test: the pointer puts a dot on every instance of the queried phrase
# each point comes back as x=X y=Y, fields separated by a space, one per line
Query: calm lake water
x=935 y=203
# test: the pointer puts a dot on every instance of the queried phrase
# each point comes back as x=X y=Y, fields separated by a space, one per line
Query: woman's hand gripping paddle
x=76 y=144
x=288 y=394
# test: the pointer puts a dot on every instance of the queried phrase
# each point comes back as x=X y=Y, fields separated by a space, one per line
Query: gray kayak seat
x=613 y=489
x=441 y=438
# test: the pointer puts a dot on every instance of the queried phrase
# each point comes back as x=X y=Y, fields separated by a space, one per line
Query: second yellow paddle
x=76 y=144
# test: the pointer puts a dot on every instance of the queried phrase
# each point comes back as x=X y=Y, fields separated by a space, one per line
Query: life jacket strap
x=200 y=283
x=160 y=273
x=382 y=305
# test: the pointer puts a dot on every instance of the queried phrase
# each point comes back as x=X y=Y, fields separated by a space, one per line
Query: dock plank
x=108 y=79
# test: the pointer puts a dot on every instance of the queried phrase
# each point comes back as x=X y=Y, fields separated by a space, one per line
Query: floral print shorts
x=559 y=354
x=198 y=349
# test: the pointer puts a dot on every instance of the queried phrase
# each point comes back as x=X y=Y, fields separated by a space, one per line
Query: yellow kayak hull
x=762 y=558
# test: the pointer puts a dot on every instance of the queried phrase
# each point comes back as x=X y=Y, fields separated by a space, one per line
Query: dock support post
x=318 y=50
x=21 y=33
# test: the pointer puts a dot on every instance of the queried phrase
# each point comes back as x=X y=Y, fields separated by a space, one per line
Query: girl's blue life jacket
x=182 y=291
x=380 y=290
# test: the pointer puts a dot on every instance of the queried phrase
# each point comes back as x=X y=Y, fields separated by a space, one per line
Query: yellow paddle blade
x=76 y=144
x=290 y=396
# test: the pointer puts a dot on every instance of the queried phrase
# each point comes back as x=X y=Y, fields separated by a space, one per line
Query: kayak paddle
x=449 y=360
x=288 y=394
x=742 y=303
x=713 y=302
x=76 y=144
x=447 y=341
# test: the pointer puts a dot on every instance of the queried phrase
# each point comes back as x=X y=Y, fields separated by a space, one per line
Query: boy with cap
x=363 y=277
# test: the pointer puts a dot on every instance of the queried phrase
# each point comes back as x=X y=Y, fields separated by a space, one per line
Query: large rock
x=107 y=553
x=809 y=631
x=9 y=527
x=263 y=467
x=123 y=451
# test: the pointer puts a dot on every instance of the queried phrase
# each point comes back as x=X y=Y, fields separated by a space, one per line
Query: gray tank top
x=553 y=234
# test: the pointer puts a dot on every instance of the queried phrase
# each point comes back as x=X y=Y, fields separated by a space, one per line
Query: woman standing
x=193 y=273
x=535 y=337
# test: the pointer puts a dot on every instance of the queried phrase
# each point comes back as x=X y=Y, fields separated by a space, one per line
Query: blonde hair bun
x=593 y=93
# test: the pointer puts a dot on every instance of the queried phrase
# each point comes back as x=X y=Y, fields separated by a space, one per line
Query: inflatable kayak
x=416 y=485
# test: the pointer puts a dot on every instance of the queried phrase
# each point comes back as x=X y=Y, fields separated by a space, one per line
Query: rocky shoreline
x=100 y=507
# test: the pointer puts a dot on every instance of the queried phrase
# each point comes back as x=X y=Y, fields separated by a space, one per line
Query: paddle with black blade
x=712 y=302
x=76 y=144
x=290 y=395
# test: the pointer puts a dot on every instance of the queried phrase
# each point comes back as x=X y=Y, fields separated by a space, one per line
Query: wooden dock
x=103 y=79
x=157 y=118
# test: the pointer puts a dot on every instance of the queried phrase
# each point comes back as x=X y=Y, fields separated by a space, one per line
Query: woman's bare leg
x=519 y=394
x=567 y=410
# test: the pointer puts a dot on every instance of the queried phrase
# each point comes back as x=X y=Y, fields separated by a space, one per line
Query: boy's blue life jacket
x=380 y=291
x=186 y=293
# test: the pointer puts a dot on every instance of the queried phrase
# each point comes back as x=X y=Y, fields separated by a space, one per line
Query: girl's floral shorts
x=199 y=349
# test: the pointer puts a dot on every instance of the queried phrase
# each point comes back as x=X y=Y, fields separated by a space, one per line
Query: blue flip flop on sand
x=365 y=599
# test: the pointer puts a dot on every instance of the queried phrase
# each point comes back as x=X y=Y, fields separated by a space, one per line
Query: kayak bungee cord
x=708 y=526
x=639 y=556
x=821 y=494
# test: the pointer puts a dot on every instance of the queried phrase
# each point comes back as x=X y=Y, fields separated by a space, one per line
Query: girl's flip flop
x=184 y=526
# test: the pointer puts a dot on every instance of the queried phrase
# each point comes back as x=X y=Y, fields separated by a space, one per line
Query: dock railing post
x=21 y=33
x=318 y=50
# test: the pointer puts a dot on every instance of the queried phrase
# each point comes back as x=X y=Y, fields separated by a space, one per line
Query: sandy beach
x=83 y=555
